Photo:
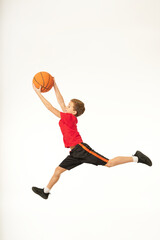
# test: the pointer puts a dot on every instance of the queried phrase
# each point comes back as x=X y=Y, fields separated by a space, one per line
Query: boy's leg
x=118 y=160
x=68 y=163
x=44 y=192
x=138 y=157
x=55 y=176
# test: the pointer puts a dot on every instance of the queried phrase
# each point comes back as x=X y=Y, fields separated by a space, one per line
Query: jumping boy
x=80 y=152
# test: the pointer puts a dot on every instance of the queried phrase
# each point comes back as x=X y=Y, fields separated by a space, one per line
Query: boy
x=80 y=151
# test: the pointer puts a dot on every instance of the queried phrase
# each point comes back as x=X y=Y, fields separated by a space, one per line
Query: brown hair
x=78 y=106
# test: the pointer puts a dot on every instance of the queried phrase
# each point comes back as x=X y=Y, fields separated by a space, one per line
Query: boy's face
x=69 y=108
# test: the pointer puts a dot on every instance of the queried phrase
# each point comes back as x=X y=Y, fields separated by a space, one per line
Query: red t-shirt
x=68 y=125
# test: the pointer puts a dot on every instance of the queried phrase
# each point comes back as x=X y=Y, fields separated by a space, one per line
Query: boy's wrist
x=38 y=93
x=54 y=84
x=58 y=94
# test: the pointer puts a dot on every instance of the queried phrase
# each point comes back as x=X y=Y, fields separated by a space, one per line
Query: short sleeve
x=68 y=118
x=65 y=116
x=62 y=114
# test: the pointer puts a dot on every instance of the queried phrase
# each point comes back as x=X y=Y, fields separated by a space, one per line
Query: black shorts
x=83 y=153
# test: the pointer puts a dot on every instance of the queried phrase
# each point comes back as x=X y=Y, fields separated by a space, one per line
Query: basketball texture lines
x=43 y=79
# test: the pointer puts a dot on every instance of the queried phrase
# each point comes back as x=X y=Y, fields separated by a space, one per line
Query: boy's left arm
x=46 y=103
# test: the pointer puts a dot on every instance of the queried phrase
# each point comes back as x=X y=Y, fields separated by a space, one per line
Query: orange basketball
x=45 y=80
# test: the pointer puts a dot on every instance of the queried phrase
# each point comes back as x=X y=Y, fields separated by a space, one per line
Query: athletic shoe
x=40 y=192
x=143 y=158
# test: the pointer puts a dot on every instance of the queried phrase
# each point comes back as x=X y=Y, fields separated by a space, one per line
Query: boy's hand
x=37 y=90
x=53 y=80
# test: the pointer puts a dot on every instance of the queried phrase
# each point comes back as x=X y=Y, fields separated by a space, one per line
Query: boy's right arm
x=59 y=97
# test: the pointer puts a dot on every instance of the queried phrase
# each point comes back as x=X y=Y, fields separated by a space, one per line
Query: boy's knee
x=109 y=164
x=58 y=171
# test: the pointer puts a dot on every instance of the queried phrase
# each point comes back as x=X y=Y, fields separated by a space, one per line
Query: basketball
x=43 y=79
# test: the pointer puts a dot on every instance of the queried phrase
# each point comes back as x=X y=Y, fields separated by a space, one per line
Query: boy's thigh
x=93 y=157
x=69 y=162
x=96 y=159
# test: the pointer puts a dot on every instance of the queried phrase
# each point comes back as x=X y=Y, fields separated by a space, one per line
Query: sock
x=46 y=190
x=135 y=158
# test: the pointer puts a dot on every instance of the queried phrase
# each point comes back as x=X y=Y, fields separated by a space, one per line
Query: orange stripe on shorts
x=93 y=153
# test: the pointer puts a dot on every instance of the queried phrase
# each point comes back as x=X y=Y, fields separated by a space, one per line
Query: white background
x=107 y=54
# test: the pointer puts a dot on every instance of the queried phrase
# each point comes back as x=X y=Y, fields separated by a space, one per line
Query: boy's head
x=76 y=107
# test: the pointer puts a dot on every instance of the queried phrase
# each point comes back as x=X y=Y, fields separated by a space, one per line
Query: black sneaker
x=143 y=158
x=40 y=192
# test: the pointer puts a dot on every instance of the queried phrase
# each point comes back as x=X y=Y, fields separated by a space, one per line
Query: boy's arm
x=59 y=97
x=46 y=103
